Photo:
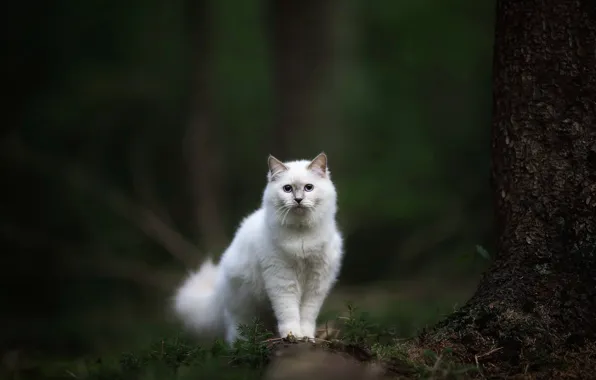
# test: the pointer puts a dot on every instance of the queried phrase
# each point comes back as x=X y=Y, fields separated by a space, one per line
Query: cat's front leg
x=317 y=287
x=281 y=285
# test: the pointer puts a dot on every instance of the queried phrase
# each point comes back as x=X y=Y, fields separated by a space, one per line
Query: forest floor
x=376 y=340
x=353 y=348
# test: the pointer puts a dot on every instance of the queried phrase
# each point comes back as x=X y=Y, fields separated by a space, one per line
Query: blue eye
x=287 y=188
x=308 y=187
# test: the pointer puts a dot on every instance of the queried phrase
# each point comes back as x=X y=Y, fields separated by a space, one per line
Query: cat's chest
x=302 y=246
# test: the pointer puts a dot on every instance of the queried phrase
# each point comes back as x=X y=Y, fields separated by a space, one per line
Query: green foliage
x=443 y=366
x=172 y=353
x=251 y=349
x=181 y=358
x=357 y=328
x=175 y=359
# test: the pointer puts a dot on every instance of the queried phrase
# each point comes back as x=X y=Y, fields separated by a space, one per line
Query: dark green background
x=99 y=104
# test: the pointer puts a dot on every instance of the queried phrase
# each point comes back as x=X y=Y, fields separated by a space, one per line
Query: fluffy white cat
x=281 y=264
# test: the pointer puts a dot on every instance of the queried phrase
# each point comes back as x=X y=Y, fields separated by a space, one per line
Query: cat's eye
x=308 y=187
x=287 y=188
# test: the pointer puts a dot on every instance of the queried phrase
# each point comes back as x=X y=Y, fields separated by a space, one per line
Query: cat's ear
x=275 y=167
x=319 y=164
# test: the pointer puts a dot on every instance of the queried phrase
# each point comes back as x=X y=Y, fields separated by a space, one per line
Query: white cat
x=283 y=260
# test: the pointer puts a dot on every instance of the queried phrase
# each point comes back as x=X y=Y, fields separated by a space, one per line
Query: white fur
x=280 y=265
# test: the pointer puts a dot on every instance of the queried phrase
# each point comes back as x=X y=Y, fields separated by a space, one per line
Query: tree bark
x=534 y=311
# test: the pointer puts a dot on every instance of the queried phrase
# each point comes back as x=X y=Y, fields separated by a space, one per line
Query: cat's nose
x=298 y=200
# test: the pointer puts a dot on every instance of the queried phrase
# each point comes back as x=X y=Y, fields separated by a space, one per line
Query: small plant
x=385 y=351
x=251 y=348
x=442 y=366
x=357 y=328
x=171 y=353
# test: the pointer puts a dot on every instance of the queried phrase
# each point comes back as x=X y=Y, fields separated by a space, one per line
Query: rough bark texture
x=535 y=308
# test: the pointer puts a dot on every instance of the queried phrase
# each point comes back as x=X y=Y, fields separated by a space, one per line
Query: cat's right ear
x=275 y=167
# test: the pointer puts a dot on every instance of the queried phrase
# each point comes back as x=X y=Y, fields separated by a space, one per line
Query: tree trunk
x=200 y=141
x=301 y=35
x=535 y=308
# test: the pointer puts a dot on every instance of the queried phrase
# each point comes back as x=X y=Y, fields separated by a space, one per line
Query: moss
x=501 y=340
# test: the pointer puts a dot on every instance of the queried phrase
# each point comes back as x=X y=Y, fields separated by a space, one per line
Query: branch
x=124 y=269
x=101 y=263
x=143 y=179
x=143 y=218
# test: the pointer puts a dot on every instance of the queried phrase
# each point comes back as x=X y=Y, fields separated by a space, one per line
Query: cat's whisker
x=280 y=210
x=283 y=221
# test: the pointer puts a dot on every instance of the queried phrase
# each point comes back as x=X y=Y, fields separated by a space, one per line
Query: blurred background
x=136 y=136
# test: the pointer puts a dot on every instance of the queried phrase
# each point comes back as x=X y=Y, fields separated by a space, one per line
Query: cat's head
x=301 y=191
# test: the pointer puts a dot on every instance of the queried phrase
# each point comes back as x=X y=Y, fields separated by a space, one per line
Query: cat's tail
x=197 y=304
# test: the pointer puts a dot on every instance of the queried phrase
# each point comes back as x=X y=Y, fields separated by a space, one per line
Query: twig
x=102 y=264
x=435 y=367
x=272 y=340
x=281 y=339
x=489 y=352
x=477 y=357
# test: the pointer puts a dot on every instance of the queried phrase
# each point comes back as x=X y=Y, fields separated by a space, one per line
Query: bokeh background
x=136 y=136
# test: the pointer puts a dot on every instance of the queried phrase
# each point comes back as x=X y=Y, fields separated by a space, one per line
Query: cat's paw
x=308 y=331
x=290 y=331
x=308 y=339
x=291 y=338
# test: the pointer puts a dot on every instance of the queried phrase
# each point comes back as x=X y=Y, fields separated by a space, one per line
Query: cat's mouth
x=299 y=209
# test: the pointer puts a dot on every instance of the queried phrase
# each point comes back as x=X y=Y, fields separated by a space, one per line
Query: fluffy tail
x=196 y=303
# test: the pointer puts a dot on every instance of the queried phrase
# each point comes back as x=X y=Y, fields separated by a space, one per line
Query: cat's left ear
x=319 y=165
x=275 y=167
